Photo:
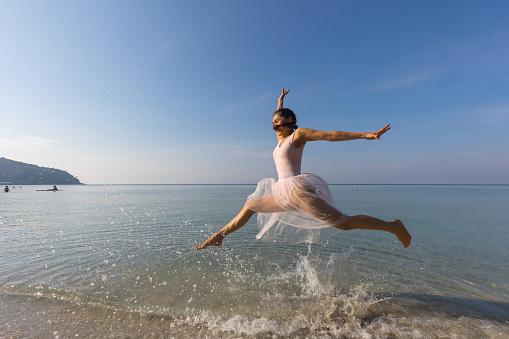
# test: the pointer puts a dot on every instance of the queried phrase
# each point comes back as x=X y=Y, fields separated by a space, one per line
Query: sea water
x=119 y=261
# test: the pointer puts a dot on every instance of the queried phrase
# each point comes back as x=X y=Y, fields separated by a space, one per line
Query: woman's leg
x=320 y=209
x=262 y=205
x=365 y=222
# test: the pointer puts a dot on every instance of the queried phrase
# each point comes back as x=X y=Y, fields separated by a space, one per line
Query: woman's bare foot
x=401 y=232
x=215 y=240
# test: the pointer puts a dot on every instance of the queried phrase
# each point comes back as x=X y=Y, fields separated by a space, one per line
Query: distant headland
x=18 y=173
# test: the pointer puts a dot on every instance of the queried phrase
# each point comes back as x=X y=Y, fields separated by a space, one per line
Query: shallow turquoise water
x=119 y=260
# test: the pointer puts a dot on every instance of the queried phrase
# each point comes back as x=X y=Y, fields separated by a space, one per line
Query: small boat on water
x=54 y=189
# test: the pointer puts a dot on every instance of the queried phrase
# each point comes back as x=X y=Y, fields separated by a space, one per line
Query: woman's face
x=278 y=123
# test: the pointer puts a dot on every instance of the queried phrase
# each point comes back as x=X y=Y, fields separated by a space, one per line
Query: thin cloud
x=393 y=83
x=403 y=81
x=242 y=153
x=25 y=142
x=475 y=54
x=258 y=99
x=493 y=114
x=477 y=153
x=230 y=108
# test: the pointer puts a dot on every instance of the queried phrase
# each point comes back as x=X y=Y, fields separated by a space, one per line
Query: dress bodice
x=288 y=158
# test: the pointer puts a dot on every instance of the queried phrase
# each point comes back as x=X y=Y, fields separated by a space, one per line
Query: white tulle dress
x=302 y=210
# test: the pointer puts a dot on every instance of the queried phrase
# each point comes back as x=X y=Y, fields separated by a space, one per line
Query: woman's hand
x=281 y=98
x=378 y=134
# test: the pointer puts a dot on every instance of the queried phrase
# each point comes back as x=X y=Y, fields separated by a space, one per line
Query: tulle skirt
x=303 y=209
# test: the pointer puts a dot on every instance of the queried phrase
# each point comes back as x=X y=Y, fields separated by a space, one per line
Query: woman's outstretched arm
x=302 y=135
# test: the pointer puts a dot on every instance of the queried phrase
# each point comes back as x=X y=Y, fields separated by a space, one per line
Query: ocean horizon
x=254 y=184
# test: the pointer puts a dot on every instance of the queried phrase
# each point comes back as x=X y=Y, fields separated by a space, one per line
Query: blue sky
x=184 y=91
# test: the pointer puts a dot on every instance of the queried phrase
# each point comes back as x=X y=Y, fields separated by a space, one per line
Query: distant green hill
x=18 y=173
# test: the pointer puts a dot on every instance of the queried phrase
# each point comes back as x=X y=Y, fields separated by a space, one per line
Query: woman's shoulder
x=299 y=137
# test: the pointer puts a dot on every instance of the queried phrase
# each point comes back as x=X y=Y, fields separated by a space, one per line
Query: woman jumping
x=299 y=207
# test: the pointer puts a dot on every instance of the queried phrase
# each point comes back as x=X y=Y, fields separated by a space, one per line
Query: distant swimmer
x=55 y=188
x=6 y=189
x=299 y=207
